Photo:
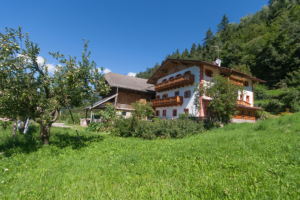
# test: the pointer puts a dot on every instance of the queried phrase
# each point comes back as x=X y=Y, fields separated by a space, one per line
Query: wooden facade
x=126 y=97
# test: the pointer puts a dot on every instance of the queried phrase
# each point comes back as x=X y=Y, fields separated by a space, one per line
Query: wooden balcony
x=236 y=82
x=169 y=101
x=245 y=103
x=185 y=80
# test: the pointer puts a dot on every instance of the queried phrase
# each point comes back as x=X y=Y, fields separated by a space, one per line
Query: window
x=186 y=111
x=177 y=93
x=165 y=96
x=164 y=113
x=171 y=78
x=187 y=94
x=178 y=75
x=164 y=81
x=124 y=113
x=157 y=113
x=188 y=72
x=158 y=97
x=242 y=112
x=248 y=99
x=249 y=114
x=246 y=84
x=208 y=73
x=241 y=97
x=174 y=113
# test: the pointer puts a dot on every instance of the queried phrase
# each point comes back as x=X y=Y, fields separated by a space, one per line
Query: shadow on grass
x=30 y=142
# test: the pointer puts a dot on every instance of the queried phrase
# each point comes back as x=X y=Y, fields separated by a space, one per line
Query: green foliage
x=156 y=119
x=223 y=94
x=148 y=73
x=168 y=128
x=260 y=92
x=142 y=109
x=108 y=114
x=291 y=99
x=265 y=44
x=293 y=79
x=274 y=106
x=27 y=89
x=238 y=161
x=125 y=127
x=96 y=127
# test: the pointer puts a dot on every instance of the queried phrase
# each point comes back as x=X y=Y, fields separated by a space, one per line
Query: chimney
x=218 y=62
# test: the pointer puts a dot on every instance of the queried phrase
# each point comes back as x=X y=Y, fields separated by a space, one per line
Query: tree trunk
x=45 y=133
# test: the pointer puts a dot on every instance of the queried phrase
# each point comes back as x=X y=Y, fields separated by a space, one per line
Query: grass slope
x=243 y=161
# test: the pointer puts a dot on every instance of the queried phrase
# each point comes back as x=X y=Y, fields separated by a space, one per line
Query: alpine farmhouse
x=174 y=85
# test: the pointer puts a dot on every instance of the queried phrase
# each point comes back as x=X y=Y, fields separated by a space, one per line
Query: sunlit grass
x=242 y=161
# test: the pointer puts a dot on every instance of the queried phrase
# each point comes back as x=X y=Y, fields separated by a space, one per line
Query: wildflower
x=6 y=170
x=2 y=181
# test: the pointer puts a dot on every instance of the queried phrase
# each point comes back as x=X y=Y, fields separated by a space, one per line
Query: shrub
x=156 y=119
x=96 y=127
x=260 y=92
x=274 y=105
x=168 y=128
x=124 y=127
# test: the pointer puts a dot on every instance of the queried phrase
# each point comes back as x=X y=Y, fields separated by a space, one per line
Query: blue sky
x=125 y=36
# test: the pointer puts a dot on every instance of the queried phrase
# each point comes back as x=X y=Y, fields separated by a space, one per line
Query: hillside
x=265 y=44
x=242 y=161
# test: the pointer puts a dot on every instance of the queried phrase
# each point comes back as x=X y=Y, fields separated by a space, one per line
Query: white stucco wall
x=248 y=92
x=187 y=102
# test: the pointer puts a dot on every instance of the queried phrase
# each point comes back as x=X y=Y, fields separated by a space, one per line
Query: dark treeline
x=265 y=44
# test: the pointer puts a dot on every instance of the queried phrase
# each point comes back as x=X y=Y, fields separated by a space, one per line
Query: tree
x=208 y=37
x=27 y=88
x=223 y=24
x=193 y=50
x=224 y=96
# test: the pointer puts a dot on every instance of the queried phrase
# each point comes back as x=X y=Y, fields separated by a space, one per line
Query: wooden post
x=86 y=116
x=116 y=98
x=91 y=115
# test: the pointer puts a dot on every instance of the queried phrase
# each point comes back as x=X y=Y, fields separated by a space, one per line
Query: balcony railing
x=169 y=101
x=185 y=80
x=245 y=103
x=236 y=82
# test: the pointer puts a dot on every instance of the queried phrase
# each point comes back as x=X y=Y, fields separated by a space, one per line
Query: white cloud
x=106 y=70
x=40 y=60
x=99 y=70
x=131 y=74
x=51 y=68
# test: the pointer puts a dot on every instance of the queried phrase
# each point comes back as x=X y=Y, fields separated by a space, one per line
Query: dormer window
x=208 y=73
x=165 y=96
x=164 y=81
x=171 y=78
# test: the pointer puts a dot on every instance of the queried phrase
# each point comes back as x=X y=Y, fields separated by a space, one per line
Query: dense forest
x=265 y=44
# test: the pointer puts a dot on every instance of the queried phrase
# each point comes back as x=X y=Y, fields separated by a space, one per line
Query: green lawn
x=241 y=161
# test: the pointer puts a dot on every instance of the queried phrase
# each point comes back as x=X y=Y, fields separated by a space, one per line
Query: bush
x=96 y=127
x=168 y=128
x=124 y=127
x=274 y=105
x=260 y=92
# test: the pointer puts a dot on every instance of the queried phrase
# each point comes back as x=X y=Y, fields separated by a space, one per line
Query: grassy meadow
x=239 y=161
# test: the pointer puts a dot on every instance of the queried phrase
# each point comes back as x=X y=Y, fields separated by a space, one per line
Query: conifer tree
x=208 y=37
x=193 y=50
x=223 y=24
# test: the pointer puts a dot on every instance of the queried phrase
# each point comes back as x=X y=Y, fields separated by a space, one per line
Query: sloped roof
x=128 y=82
x=100 y=102
x=161 y=70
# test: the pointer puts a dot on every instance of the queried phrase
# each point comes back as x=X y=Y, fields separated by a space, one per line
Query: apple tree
x=28 y=89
